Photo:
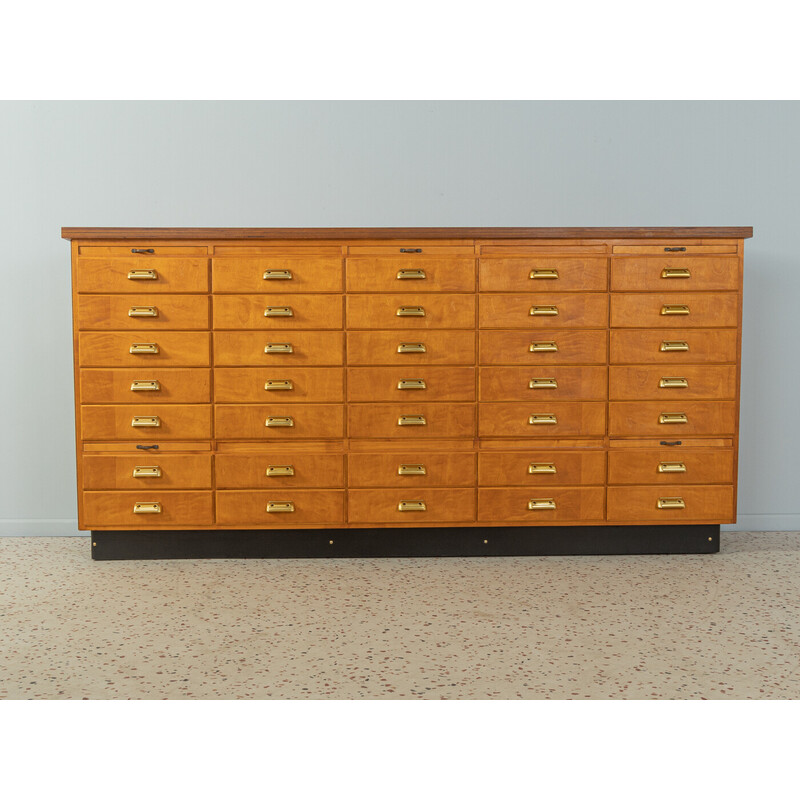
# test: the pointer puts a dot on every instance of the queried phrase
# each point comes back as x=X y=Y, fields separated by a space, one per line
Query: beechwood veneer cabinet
x=409 y=391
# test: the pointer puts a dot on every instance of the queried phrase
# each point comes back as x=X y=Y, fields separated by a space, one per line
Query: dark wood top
x=406 y=233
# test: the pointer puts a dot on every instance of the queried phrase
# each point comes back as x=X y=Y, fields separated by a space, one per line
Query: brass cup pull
x=543 y=347
x=675 y=272
x=278 y=311
x=146 y=422
x=278 y=348
x=147 y=508
x=145 y=386
x=412 y=505
x=543 y=274
x=276 y=471
x=674 y=311
x=541 y=504
x=412 y=419
x=142 y=275
x=411 y=275
x=670 y=502
x=541 y=469
x=543 y=383
x=412 y=469
x=147 y=472
x=672 y=419
x=673 y=383
x=278 y=386
x=411 y=311
x=542 y=419
x=672 y=466
x=543 y=311
x=674 y=347
x=280 y=508
x=411 y=347
x=415 y=384
x=277 y=275
x=144 y=348
x=142 y=311
x=279 y=422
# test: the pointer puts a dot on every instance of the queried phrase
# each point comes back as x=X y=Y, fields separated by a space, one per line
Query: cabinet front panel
x=144 y=312
x=403 y=384
x=151 y=349
x=544 y=419
x=142 y=274
x=288 y=507
x=547 y=467
x=688 y=382
x=147 y=471
x=387 y=420
x=412 y=506
x=278 y=349
x=279 y=470
x=165 y=509
x=671 y=465
x=675 y=310
x=548 y=310
x=410 y=311
x=410 y=274
x=279 y=384
x=410 y=469
x=549 y=347
x=277 y=274
x=674 y=347
x=406 y=348
x=306 y=421
x=276 y=312
x=543 y=274
x=670 y=504
x=136 y=422
x=542 y=384
x=674 y=273
x=158 y=385
x=542 y=506
x=672 y=419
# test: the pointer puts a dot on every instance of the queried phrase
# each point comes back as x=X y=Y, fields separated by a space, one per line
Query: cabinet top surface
x=406 y=233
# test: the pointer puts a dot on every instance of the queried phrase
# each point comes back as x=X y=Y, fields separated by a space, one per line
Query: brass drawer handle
x=142 y=311
x=674 y=347
x=672 y=419
x=412 y=505
x=412 y=419
x=142 y=275
x=146 y=422
x=543 y=274
x=278 y=386
x=673 y=383
x=277 y=275
x=278 y=311
x=415 y=384
x=541 y=504
x=147 y=508
x=675 y=272
x=541 y=469
x=411 y=311
x=145 y=386
x=278 y=348
x=148 y=250
x=275 y=470
x=280 y=508
x=144 y=348
x=542 y=419
x=543 y=383
x=671 y=502
x=674 y=311
x=543 y=347
x=543 y=311
x=672 y=466
x=279 y=422
x=412 y=347
x=411 y=275
x=412 y=469
x=147 y=472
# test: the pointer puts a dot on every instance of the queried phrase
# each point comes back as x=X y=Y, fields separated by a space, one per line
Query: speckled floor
x=717 y=627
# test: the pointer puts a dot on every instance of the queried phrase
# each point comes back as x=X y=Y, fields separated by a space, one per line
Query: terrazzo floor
x=724 y=626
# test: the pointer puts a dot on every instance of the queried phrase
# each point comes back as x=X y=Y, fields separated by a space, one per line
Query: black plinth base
x=407 y=542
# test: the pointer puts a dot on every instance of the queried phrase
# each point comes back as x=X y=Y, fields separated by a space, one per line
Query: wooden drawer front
x=442 y=274
x=410 y=469
x=110 y=275
x=380 y=384
x=151 y=250
x=671 y=465
x=514 y=347
x=513 y=419
x=706 y=309
x=542 y=468
x=571 y=505
x=174 y=349
x=382 y=421
x=268 y=311
x=530 y=274
x=715 y=418
x=175 y=509
x=671 y=273
x=116 y=422
x=688 y=382
x=157 y=385
x=675 y=249
x=142 y=312
x=551 y=383
x=279 y=470
x=640 y=503
x=308 y=507
x=687 y=347
x=285 y=274
x=309 y=348
x=249 y=422
x=383 y=505
x=402 y=311
x=544 y=311
x=147 y=471
x=380 y=347
x=305 y=384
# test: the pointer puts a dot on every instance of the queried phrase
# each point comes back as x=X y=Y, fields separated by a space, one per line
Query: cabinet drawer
x=279 y=470
x=550 y=383
x=543 y=347
x=150 y=250
x=531 y=274
x=674 y=347
x=410 y=273
x=655 y=418
x=142 y=312
x=158 y=385
x=377 y=384
x=553 y=504
x=158 y=349
x=147 y=471
x=542 y=468
x=117 y=422
x=307 y=421
x=671 y=465
x=171 y=509
x=544 y=311
x=422 y=506
x=674 y=273
x=286 y=349
x=142 y=274
x=680 y=504
x=382 y=347
x=410 y=469
x=697 y=309
x=287 y=507
x=284 y=385
x=686 y=382
x=676 y=249
x=381 y=421
x=410 y=311
x=277 y=274
x=277 y=312
x=542 y=419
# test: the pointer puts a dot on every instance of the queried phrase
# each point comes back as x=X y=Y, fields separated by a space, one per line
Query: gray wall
x=387 y=163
